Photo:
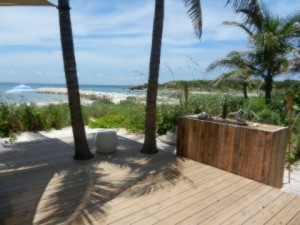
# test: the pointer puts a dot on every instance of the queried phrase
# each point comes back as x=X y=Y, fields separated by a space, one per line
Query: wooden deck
x=40 y=183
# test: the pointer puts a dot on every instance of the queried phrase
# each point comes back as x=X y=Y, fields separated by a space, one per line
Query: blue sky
x=113 y=39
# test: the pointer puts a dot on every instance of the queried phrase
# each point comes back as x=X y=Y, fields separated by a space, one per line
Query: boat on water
x=20 y=89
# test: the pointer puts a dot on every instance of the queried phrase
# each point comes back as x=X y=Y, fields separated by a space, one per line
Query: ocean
x=34 y=97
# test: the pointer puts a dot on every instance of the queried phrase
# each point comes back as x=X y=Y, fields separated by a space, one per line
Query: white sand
x=61 y=134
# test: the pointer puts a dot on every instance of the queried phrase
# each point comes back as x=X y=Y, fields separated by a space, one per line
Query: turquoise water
x=34 y=97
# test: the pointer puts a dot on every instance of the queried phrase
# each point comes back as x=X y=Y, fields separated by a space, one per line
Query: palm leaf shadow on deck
x=40 y=181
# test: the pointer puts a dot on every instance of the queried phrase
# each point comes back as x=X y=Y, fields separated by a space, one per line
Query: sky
x=112 y=41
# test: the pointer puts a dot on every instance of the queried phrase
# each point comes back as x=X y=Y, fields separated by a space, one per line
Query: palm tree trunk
x=245 y=91
x=149 y=146
x=82 y=150
x=268 y=89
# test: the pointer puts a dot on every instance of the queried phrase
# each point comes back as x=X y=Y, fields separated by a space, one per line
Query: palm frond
x=241 y=4
x=253 y=19
x=290 y=27
x=195 y=14
x=226 y=76
x=239 y=65
x=214 y=65
x=237 y=24
x=233 y=60
x=254 y=14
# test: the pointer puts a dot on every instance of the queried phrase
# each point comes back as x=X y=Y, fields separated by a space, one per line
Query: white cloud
x=113 y=40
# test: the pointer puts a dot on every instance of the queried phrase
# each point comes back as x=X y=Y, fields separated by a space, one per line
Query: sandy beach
x=60 y=134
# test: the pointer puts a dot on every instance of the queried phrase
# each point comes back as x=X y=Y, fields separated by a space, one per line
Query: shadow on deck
x=40 y=183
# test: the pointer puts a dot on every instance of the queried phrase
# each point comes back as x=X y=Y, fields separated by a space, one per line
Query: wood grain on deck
x=40 y=183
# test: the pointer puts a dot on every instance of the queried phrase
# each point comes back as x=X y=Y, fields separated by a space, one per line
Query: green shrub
x=295 y=149
x=109 y=121
x=127 y=114
x=98 y=109
x=31 y=118
x=130 y=113
x=212 y=104
x=103 y=100
x=118 y=121
x=269 y=117
x=9 y=120
x=167 y=117
x=256 y=104
x=57 y=116
x=15 y=119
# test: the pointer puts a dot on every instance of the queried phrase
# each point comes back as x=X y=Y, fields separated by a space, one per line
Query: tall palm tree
x=82 y=150
x=149 y=146
x=271 y=41
x=239 y=68
x=195 y=13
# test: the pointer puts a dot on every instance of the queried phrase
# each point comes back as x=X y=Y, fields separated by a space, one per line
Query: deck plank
x=232 y=209
x=253 y=208
x=40 y=183
x=295 y=220
x=285 y=215
x=272 y=209
x=123 y=201
x=156 y=200
x=178 y=206
x=214 y=204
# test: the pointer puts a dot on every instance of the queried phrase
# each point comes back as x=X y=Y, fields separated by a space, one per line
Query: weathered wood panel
x=253 y=152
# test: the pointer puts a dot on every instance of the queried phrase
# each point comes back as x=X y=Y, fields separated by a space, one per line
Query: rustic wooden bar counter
x=255 y=151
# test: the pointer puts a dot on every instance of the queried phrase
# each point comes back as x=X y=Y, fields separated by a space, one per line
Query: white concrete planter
x=106 y=141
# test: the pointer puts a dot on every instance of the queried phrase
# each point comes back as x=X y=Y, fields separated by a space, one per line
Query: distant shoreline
x=118 y=97
x=112 y=96
x=92 y=95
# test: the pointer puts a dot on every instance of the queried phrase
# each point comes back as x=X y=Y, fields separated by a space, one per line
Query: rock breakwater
x=92 y=95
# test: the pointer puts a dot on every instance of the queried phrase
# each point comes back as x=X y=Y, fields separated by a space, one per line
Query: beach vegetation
x=127 y=114
x=126 y=121
x=130 y=114
x=31 y=118
x=9 y=121
x=231 y=85
x=167 y=116
x=58 y=116
x=109 y=121
x=94 y=97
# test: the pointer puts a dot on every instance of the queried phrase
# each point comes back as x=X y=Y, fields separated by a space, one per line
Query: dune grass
x=130 y=114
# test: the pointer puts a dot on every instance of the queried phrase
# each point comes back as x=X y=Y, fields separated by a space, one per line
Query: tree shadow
x=40 y=181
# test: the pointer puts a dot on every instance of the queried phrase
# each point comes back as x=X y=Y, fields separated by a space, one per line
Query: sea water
x=34 y=97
